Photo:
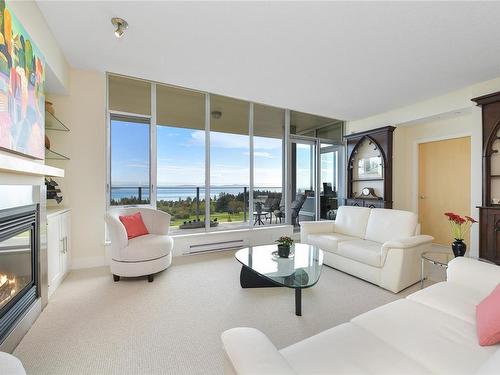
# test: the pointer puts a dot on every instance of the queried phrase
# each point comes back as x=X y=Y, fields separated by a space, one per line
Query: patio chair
x=295 y=208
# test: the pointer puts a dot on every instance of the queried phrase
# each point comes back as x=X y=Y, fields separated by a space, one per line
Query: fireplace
x=19 y=244
x=23 y=260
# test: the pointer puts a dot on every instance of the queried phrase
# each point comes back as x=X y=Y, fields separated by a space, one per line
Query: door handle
x=422 y=197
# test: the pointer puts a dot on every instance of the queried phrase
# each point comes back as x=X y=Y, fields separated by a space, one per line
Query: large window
x=229 y=162
x=268 y=136
x=216 y=163
x=130 y=166
x=180 y=139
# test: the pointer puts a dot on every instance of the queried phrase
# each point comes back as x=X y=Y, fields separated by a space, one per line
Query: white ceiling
x=344 y=60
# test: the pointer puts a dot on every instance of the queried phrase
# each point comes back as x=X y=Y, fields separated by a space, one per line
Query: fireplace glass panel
x=15 y=266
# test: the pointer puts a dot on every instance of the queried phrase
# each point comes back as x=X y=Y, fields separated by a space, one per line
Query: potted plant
x=459 y=228
x=284 y=244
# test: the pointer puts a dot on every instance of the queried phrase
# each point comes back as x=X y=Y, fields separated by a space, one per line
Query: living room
x=173 y=202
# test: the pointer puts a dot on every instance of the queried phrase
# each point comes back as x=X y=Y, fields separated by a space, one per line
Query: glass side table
x=441 y=259
x=438 y=258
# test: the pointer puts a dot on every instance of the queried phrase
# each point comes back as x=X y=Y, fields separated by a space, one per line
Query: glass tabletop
x=302 y=270
x=441 y=258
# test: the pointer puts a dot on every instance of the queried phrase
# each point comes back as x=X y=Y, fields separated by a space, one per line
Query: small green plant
x=285 y=241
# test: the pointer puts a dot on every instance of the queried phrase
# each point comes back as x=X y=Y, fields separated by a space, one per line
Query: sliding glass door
x=304 y=177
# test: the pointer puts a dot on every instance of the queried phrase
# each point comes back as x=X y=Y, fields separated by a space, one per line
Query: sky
x=181 y=157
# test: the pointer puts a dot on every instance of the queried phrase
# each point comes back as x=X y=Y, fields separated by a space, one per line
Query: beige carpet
x=172 y=326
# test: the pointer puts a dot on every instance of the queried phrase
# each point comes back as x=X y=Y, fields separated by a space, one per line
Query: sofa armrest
x=473 y=273
x=311 y=227
x=249 y=351
x=161 y=222
x=408 y=242
x=117 y=232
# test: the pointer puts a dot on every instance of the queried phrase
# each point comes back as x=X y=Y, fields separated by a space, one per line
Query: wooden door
x=444 y=185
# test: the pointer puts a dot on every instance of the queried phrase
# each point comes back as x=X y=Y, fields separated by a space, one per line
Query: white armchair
x=144 y=255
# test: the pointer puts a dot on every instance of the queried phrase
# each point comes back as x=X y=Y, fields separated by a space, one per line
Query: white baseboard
x=88 y=262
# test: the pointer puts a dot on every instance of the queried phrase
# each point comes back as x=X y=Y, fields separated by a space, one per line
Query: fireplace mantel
x=13 y=164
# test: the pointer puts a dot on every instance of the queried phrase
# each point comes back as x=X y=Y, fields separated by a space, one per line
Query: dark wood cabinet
x=370 y=203
x=379 y=139
x=489 y=213
x=489 y=233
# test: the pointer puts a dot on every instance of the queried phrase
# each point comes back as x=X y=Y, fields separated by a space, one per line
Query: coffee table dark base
x=251 y=279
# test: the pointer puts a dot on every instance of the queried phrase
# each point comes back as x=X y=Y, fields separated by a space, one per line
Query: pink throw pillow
x=488 y=319
x=134 y=225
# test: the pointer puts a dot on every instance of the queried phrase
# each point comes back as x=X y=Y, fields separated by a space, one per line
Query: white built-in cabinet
x=58 y=246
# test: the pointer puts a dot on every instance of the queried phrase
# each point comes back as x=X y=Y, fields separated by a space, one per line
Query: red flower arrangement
x=459 y=225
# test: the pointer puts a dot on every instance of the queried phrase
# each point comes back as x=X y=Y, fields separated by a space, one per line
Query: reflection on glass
x=301 y=270
x=15 y=266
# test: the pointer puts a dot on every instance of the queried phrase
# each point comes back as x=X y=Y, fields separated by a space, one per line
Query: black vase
x=283 y=251
x=459 y=248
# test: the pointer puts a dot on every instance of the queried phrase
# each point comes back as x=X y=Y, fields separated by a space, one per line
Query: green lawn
x=222 y=217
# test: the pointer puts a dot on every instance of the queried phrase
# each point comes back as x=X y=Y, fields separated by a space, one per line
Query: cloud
x=260 y=154
x=232 y=141
x=137 y=165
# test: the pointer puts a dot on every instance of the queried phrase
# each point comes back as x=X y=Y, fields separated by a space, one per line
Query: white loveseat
x=378 y=245
x=432 y=331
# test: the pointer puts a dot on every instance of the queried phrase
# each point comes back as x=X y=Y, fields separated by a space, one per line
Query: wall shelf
x=52 y=155
x=53 y=123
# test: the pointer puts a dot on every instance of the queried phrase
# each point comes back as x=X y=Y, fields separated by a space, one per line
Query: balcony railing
x=187 y=204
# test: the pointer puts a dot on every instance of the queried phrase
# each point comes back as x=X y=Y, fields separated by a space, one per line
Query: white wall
x=448 y=116
x=83 y=188
x=407 y=138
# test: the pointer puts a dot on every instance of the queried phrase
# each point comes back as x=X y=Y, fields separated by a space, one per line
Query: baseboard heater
x=216 y=246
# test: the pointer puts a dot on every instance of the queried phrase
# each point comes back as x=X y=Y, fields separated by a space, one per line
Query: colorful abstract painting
x=22 y=89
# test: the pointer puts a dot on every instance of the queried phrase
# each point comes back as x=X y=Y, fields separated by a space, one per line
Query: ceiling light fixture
x=120 y=24
x=216 y=114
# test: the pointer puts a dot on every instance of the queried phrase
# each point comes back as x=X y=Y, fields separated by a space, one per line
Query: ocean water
x=182 y=193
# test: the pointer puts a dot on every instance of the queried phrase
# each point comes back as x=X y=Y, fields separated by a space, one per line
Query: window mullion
x=153 y=155
x=207 y=162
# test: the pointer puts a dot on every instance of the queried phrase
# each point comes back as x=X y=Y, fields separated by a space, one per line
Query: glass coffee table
x=261 y=269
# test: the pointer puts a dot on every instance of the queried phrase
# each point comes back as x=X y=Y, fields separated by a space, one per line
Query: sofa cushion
x=367 y=252
x=148 y=247
x=441 y=342
x=351 y=220
x=491 y=366
x=385 y=225
x=347 y=349
x=328 y=242
x=450 y=298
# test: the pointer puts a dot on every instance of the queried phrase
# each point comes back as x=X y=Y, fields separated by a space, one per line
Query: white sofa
x=143 y=255
x=378 y=245
x=432 y=331
x=10 y=365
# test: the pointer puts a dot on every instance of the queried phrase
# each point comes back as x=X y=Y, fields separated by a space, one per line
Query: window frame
x=131 y=117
